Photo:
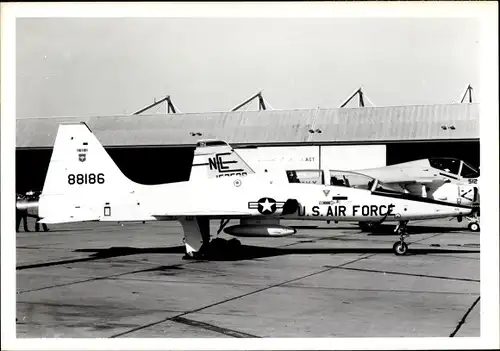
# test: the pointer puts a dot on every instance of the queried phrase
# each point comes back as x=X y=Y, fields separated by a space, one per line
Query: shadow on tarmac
x=235 y=253
x=247 y=252
x=386 y=229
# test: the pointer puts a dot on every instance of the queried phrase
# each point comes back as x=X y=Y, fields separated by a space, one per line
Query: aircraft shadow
x=248 y=252
x=389 y=230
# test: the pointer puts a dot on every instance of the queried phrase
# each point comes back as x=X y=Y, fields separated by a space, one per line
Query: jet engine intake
x=290 y=207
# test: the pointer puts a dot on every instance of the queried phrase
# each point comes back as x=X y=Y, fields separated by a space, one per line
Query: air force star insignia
x=266 y=205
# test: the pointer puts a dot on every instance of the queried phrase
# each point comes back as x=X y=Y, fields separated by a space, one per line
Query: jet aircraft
x=444 y=179
x=84 y=184
x=215 y=159
x=440 y=178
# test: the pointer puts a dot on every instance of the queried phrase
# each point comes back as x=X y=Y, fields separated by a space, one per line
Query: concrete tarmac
x=327 y=280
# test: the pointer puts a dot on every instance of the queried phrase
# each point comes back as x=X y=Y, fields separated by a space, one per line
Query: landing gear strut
x=473 y=222
x=473 y=219
x=400 y=247
x=198 y=243
x=223 y=223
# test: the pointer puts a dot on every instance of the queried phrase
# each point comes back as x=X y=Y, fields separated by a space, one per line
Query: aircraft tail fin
x=216 y=158
x=80 y=176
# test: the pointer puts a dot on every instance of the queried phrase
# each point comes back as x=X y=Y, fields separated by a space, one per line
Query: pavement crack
x=408 y=274
x=462 y=321
x=55 y=263
x=237 y=297
x=100 y=278
x=207 y=326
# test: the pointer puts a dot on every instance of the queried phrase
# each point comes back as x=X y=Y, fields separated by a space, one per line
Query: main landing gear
x=400 y=247
x=198 y=232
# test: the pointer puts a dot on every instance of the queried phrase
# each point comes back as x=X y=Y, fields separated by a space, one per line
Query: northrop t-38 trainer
x=84 y=184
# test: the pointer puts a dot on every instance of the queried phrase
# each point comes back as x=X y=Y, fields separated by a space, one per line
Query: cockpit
x=351 y=180
x=454 y=166
x=314 y=176
x=337 y=178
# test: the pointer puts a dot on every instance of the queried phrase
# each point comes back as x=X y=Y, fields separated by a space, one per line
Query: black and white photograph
x=305 y=172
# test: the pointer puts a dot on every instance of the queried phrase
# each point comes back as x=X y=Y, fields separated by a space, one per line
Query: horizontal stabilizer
x=54 y=220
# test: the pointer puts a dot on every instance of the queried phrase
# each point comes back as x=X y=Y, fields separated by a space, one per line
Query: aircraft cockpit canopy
x=337 y=178
x=351 y=180
x=312 y=176
x=468 y=171
x=454 y=166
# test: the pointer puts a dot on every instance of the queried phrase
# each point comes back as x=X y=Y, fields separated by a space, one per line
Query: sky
x=107 y=66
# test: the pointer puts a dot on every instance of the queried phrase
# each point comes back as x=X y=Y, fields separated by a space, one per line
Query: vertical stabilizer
x=82 y=179
x=215 y=159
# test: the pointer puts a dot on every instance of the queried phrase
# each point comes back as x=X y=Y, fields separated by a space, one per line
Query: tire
x=474 y=226
x=218 y=244
x=233 y=243
x=400 y=248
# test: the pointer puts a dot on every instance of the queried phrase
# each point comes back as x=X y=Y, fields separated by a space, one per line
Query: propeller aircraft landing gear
x=474 y=226
x=473 y=219
x=400 y=247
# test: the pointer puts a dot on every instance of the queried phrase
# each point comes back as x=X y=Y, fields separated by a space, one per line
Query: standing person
x=37 y=226
x=21 y=214
x=34 y=196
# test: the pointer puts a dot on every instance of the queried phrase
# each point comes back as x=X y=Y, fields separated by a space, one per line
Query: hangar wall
x=155 y=165
x=345 y=157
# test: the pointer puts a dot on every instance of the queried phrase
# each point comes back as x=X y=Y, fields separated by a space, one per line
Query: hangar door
x=281 y=157
x=342 y=157
x=352 y=157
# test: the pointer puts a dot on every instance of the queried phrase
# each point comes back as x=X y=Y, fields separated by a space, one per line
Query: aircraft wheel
x=400 y=248
x=474 y=226
x=233 y=243
x=218 y=244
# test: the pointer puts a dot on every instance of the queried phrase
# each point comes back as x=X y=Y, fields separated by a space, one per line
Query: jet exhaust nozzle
x=28 y=205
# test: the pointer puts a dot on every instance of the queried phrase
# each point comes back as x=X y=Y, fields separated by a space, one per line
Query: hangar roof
x=340 y=125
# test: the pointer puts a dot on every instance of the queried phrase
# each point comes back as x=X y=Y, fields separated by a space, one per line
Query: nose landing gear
x=474 y=226
x=400 y=247
x=473 y=219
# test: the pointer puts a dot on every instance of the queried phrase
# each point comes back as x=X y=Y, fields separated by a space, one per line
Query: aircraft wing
x=403 y=179
x=207 y=213
x=406 y=178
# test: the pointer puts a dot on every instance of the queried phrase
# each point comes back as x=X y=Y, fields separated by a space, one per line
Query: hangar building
x=152 y=149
